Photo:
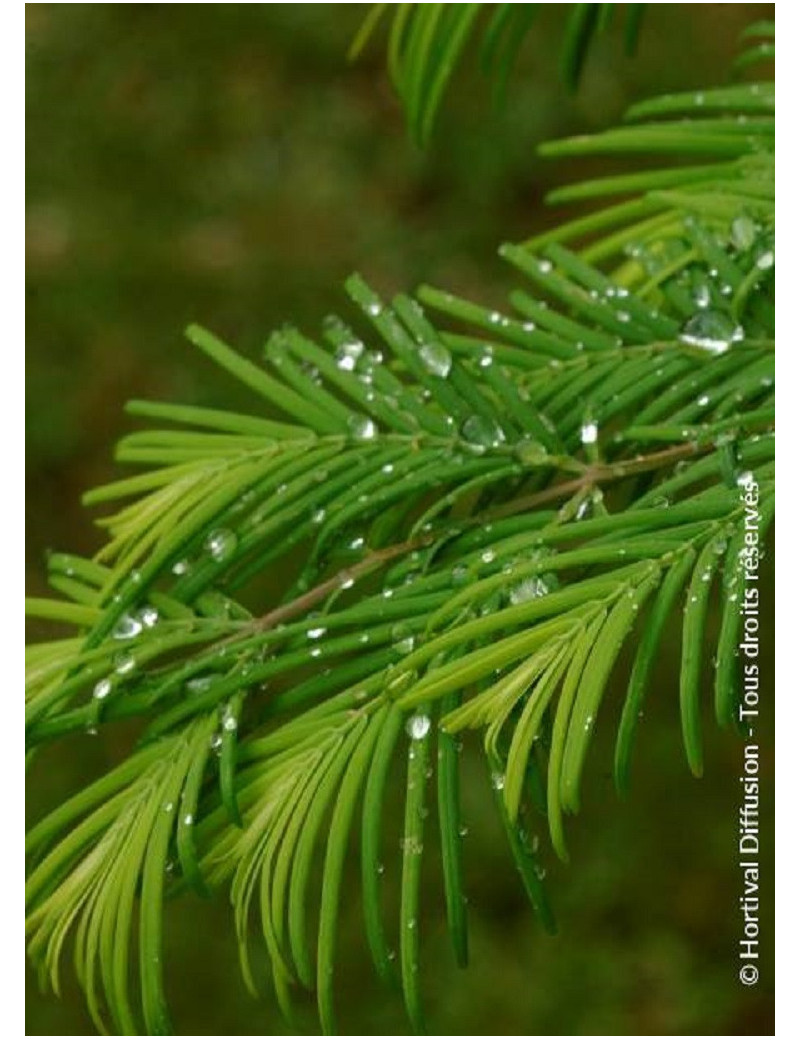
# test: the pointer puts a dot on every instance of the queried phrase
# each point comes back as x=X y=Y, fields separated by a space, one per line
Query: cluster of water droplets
x=348 y=354
x=221 y=544
x=133 y=623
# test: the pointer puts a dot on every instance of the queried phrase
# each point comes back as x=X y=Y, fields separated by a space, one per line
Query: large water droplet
x=436 y=358
x=482 y=432
x=418 y=726
x=743 y=232
x=712 y=330
x=127 y=627
x=362 y=427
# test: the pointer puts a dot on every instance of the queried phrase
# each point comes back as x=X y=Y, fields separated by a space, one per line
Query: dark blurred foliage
x=224 y=164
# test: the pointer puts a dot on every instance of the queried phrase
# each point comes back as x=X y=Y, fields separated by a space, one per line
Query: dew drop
x=418 y=726
x=711 y=330
x=702 y=295
x=530 y=588
x=437 y=359
x=482 y=433
x=460 y=574
x=124 y=664
x=362 y=427
x=531 y=453
x=348 y=354
x=102 y=689
x=743 y=233
x=127 y=627
x=221 y=544
x=199 y=684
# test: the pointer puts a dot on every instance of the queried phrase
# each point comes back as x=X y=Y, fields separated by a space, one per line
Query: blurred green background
x=224 y=164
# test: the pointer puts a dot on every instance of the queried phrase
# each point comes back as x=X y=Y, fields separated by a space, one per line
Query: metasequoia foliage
x=486 y=508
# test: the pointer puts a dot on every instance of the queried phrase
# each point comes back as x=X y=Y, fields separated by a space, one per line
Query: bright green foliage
x=492 y=511
x=427 y=41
